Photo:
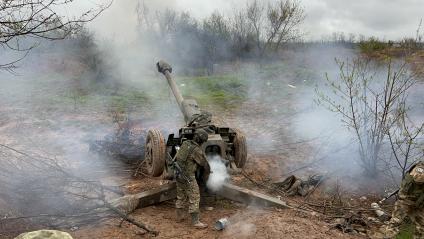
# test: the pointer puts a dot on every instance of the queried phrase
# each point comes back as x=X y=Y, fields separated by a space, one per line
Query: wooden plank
x=162 y=193
x=249 y=197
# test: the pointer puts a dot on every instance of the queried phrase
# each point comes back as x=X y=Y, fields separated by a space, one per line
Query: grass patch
x=222 y=90
x=406 y=231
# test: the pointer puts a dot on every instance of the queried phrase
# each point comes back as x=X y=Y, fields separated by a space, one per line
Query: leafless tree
x=368 y=105
x=143 y=16
x=406 y=141
x=274 y=24
x=216 y=36
x=57 y=196
x=242 y=33
x=22 y=19
x=256 y=29
x=284 y=19
x=256 y=15
x=419 y=34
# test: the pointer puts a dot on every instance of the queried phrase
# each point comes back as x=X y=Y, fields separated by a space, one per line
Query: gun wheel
x=154 y=153
x=240 y=149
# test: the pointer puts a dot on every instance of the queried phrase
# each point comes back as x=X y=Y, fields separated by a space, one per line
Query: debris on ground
x=293 y=185
x=221 y=224
x=351 y=224
x=382 y=215
x=127 y=142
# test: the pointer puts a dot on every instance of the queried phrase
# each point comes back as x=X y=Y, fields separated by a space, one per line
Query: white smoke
x=218 y=174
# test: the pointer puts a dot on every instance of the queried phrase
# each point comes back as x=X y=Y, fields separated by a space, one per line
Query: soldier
x=190 y=158
x=410 y=203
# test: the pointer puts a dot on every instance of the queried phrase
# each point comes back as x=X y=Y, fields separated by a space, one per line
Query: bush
x=372 y=45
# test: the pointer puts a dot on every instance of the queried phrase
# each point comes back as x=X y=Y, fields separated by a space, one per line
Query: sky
x=386 y=19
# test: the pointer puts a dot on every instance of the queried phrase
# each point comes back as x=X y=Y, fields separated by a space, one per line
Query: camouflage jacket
x=190 y=152
x=412 y=187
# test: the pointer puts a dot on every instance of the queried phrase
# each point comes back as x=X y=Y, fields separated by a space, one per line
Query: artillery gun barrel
x=175 y=90
x=188 y=107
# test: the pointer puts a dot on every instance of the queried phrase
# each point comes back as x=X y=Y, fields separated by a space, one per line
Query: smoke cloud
x=70 y=92
x=219 y=173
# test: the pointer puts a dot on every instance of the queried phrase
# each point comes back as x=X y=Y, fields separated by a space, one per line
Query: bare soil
x=245 y=223
x=273 y=152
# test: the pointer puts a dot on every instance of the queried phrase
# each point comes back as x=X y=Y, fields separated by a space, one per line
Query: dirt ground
x=273 y=152
x=245 y=223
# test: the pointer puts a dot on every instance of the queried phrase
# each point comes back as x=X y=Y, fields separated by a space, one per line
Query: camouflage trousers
x=403 y=209
x=188 y=193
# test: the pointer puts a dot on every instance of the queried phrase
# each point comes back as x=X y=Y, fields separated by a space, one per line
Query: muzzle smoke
x=218 y=175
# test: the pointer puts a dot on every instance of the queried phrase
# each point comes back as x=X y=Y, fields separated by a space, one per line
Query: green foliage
x=372 y=45
x=406 y=231
x=128 y=99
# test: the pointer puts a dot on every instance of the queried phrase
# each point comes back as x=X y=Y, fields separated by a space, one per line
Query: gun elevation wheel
x=154 y=153
x=240 y=149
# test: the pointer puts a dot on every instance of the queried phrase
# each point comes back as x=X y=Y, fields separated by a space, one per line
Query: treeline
x=372 y=44
x=257 y=30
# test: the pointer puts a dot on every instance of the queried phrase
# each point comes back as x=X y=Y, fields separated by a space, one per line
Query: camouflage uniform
x=410 y=203
x=190 y=157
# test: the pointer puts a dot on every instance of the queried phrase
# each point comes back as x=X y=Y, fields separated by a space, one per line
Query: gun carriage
x=228 y=143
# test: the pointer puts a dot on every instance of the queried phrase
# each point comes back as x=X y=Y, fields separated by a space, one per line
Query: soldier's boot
x=195 y=222
x=180 y=214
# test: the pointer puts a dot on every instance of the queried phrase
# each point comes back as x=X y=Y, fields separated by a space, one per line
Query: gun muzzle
x=163 y=67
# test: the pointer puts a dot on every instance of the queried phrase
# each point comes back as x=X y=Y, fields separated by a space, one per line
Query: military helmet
x=417 y=172
x=200 y=136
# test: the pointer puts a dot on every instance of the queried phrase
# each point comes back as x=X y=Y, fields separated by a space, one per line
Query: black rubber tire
x=240 y=149
x=154 y=153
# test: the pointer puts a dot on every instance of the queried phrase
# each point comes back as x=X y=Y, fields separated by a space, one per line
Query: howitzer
x=228 y=143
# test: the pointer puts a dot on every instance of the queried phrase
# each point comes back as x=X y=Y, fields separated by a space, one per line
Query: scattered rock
x=339 y=221
x=208 y=208
x=373 y=219
x=74 y=229
x=382 y=215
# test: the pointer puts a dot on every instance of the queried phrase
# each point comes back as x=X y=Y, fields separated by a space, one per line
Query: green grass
x=128 y=98
x=66 y=95
x=222 y=90
x=406 y=231
x=217 y=91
